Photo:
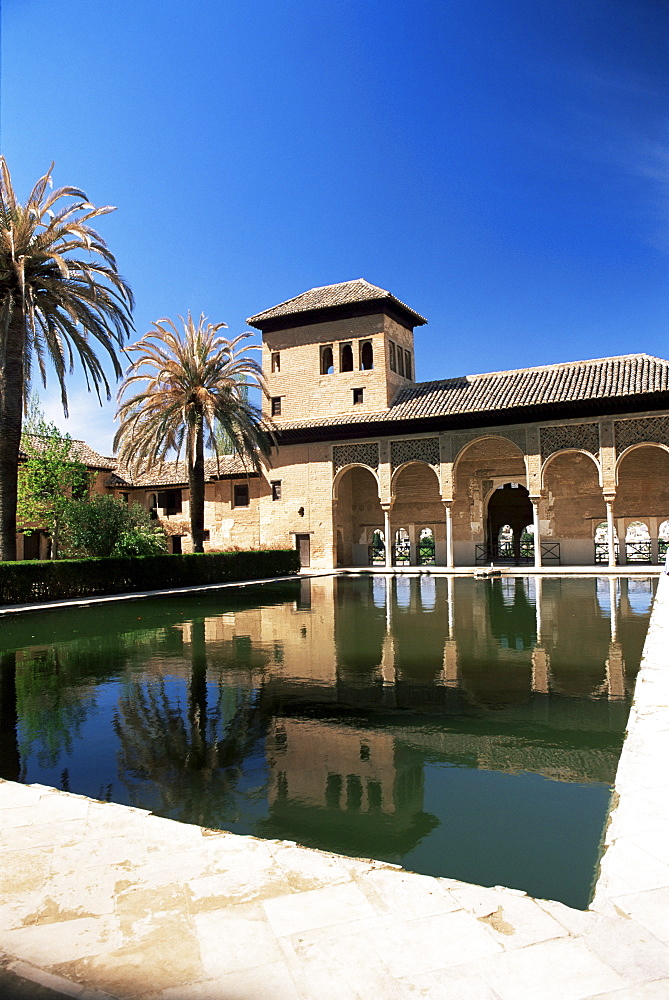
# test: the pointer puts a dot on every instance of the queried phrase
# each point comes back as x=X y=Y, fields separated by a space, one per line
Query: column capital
x=447 y=502
x=609 y=497
x=387 y=505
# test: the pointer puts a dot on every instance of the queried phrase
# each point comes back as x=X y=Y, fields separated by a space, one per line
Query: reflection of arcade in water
x=493 y=675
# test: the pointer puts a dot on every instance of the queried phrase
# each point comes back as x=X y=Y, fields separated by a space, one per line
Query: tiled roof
x=176 y=473
x=328 y=296
x=82 y=452
x=599 y=379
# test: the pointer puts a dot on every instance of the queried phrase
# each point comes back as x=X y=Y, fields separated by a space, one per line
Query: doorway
x=509 y=513
x=303 y=546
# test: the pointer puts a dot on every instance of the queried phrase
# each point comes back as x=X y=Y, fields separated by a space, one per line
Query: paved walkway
x=99 y=900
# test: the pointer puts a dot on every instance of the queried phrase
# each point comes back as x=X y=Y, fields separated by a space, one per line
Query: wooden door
x=303 y=545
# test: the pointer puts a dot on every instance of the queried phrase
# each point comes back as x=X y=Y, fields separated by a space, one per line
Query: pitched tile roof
x=176 y=473
x=80 y=451
x=599 y=379
x=328 y=296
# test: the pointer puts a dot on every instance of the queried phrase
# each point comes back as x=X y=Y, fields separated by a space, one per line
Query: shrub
x=108 y=526
x=27 y=581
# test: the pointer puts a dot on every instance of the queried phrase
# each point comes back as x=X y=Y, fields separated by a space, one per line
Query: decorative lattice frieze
x=584 y=437
x=355 y=454
x=636 y=431
x=515 y=434
x=415 y=450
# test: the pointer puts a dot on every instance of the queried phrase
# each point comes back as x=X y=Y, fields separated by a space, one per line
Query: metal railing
x=638 y=552
x=502 y=552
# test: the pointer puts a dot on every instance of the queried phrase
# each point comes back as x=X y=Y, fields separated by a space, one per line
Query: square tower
x=339 y=349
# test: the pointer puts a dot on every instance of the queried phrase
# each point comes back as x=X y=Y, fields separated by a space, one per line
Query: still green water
x=458 y=727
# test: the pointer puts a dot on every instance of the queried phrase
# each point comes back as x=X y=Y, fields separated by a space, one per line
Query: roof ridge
x=563 y=364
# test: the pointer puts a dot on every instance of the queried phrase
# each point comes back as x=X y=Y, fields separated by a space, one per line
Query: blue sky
x=501 y=167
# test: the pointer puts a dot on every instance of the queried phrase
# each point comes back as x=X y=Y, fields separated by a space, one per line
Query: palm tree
x=195 y=387
x=59 y=288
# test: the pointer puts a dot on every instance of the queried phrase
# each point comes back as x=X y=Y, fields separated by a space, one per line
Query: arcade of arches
x=496 y=499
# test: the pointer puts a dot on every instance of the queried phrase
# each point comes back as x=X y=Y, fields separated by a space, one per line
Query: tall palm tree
x=194 y=386
x=59 y=289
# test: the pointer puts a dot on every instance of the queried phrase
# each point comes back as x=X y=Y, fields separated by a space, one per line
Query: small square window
x=241 y=495
x=276 y=361
x=276 y=406
x=357 y=396
x=276 y=489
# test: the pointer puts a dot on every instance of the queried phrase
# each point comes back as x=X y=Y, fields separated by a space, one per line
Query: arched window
x=426 y=547
x=637 y=543
x=366 y=356
x=346 y=358
x=527 y=542
x=663 y=540
x=602 y=542
x=505 y=542
x=402 y=547
x=377 y=550
x=327 y=361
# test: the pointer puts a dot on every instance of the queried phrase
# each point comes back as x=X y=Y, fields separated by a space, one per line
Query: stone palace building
x=559 y=464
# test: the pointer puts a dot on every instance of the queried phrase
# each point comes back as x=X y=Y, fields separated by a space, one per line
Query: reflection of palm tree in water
x=189 y=768
x=10 y=759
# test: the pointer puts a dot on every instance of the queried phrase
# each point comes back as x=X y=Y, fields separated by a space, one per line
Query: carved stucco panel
x=584 y=437
x=515 y=434
x=629 y=432
x=415 y=450
x=355 y=454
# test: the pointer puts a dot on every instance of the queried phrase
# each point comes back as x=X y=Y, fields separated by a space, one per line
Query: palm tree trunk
x=196 y=484
x=11 y=417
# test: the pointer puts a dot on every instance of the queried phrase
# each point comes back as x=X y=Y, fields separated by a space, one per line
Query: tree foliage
x=195 y=389
x=108 y=526
x=60 y=293
x=49 y=478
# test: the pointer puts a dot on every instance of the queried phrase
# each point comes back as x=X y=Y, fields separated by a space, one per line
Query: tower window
x=407 y=364
x=276 y=406
x=346 y=358
x=366 y=356
x=240 y=495
x=327 y=361
x=391 y=356
x=276 y=362
x=358 y=395
x=276 y=489
x=400 y=361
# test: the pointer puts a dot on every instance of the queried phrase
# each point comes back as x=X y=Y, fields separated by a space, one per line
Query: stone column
x=450 y=669
x=386 y=534
x=537 y=533
x=541 y=671
x=613 y=601
x=615 y=672
x=448 y=506
x=610 y=527
x=451 y=606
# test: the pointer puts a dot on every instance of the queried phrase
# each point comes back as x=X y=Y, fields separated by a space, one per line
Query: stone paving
x=100 y=900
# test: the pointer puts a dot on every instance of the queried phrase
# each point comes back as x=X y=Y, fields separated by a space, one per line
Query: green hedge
x=28 y=581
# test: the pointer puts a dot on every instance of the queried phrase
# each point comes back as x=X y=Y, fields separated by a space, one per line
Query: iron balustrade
x=638 y=552
x=602 y=552
x=502 y=552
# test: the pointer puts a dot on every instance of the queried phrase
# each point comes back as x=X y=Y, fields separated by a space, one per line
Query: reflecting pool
x=459 y=727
